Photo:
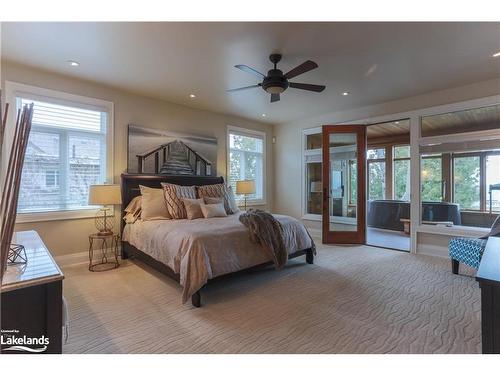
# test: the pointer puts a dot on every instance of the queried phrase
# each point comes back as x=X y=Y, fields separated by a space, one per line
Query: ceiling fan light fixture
x=274 y=89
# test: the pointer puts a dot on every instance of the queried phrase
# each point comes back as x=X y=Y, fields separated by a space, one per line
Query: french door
x=344 y=184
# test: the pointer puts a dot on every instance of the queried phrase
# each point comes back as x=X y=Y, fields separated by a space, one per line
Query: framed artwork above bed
x=154 y=151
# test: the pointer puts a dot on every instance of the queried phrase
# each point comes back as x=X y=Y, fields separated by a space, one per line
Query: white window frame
x=14 y=90
x=249 y=133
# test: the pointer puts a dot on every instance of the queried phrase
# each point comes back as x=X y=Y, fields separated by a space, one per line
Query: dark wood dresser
x=488 y=276
x=31 y=301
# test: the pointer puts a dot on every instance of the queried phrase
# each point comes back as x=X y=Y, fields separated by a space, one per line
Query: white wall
x=70 y=236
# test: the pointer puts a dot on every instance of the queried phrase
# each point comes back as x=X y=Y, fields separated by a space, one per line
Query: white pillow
x=213 y=210
x=153 y=205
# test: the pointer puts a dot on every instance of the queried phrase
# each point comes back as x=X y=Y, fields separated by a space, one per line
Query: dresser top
x=40 y=268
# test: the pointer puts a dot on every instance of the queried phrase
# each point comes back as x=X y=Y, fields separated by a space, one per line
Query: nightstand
x=107 y=246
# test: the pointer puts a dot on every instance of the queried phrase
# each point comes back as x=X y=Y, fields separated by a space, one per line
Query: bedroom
x=148 y=178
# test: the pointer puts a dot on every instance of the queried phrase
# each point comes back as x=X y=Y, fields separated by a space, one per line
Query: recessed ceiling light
x=192 y=96
x=73 y=63
x=396 y=122
x=496 y=54
x=345 y=93
x=264 y=115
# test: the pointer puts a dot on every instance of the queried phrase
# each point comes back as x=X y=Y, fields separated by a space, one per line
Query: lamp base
x=103 y=222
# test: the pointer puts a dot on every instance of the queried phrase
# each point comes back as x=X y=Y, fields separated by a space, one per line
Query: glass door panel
x=344 y=149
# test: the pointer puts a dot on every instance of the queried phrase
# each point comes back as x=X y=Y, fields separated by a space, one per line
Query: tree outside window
x=432 y=184
x=466 y=182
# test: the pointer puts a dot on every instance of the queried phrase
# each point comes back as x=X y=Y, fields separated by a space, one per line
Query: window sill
x=251 y=203
x=59 y=215
x=458 y=230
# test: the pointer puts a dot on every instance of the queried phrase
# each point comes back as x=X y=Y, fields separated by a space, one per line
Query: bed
x=198 y=252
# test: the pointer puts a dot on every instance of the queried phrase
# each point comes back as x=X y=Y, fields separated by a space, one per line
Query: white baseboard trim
x=433 y=250
x=78 y=258
x=72 y=259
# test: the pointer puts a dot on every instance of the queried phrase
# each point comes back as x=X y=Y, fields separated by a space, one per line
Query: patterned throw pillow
x=173 y=198
x=210 y=200
x=219 y=191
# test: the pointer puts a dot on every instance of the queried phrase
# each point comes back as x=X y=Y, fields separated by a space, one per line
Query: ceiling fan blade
x=250 y=70
x=307 y=86
x=243 y=88
x=301 y=69
x=275 y=98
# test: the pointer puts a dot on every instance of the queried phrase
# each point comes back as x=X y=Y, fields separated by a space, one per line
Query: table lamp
x=104 y=195
x=245 y=187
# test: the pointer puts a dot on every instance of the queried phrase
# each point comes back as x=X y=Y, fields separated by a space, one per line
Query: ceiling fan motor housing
x=275 y=82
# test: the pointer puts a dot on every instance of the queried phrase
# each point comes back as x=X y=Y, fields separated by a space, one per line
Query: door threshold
x=388 y=248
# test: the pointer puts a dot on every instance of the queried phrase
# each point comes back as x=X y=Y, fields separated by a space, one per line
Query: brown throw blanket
x=267 y=231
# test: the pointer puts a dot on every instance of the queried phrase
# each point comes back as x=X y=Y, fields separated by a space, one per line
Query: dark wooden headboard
x=131 y=181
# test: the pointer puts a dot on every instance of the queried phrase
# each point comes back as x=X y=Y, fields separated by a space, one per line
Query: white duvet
x=201 y=249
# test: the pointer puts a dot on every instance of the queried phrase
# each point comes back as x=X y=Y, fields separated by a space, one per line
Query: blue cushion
x=467 y=250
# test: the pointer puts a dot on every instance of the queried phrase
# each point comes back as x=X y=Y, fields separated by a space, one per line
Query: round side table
x=107 y=245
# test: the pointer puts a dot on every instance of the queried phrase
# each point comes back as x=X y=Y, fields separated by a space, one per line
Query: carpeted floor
x=352 y=300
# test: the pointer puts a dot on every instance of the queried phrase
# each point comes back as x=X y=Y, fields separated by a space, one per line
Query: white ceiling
x=375 y=62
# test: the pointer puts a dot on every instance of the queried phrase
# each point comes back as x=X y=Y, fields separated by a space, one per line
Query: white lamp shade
x=245 y=187
x=104 y=194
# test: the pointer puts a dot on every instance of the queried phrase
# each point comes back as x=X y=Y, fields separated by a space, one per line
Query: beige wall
x=70 y=236
x=287 y=150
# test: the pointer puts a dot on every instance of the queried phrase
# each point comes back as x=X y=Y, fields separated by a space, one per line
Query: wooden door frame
x=345 y=237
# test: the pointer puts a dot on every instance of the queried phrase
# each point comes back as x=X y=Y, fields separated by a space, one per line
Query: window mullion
x=482 y=182
x=63 y=169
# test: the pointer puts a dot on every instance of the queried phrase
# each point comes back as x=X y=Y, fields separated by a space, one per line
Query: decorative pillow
x=130 y=218
x=210 y=200
x=232 y=200
x=134 y=206
x=213 y=210
x=153 y=204
x=173 y=198
x=193 y=209
x=217 y=191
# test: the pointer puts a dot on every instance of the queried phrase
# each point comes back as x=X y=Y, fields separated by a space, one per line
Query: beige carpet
x=352 y=300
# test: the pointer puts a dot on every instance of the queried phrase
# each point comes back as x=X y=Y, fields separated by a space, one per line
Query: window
x=376 y=178
x=376 y=173
x=466 y=182
x=67 y=152
x=51 y=178
x=314 y=188
x=432 y=179
x=247 y=160
x=493 y=178
x=401 y=165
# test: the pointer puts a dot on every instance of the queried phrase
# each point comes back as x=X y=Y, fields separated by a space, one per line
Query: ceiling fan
x=276 y=82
